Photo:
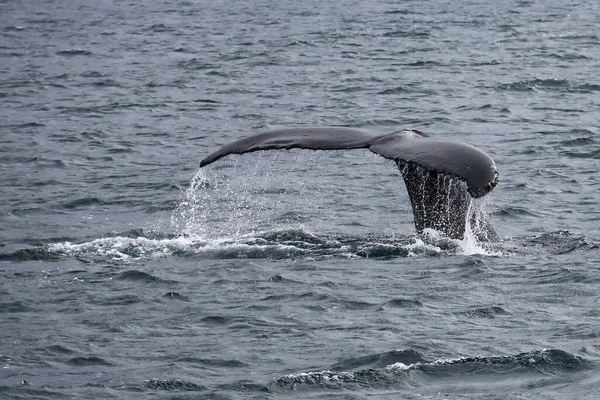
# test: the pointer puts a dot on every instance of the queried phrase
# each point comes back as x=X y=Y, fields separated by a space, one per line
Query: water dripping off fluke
x=227 y=203
x=188 y=216
x=221 y=204
x=443 y=204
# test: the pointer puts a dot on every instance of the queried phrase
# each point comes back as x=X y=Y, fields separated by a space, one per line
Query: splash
x=439 y=201
x=124 y=248
x=425 y=244
x=228 y=214
x=189 y=214
x=479 y=235
x=224 y=202
x=474 y=242
x=215 y=207
x=444 y=209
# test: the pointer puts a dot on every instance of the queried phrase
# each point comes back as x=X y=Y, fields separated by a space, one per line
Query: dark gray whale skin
x=431 y=168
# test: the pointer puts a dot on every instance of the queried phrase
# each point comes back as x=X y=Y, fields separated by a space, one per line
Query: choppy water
x=126 y=272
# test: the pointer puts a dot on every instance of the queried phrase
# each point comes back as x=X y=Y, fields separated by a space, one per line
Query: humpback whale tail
x=441 y=177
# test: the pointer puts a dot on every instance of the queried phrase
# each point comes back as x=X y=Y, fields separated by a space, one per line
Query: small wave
x=212 y=362
x=401 y=11
x=216 y=320
x=333 y=380
x=381 y=250
x=121 y=248
x=583 y=141
x=104 y=83
x=245 y=387
x=28 y=125
x=173 y=385
x=14 y=28
x=515 y=212
x=195 y=64
x=160 y=28
x=57 y=349
x=42 y=21
x=396 y=90
x=44 y=161
x=176 y=296
x=545 y=361
x=134 y=275
x=92 y=74
x=560 y=276
x=587 y=88
x=281 y=279
x=32 y=254
x=380 y=360
x=122 y=300
x=557 y=242
x=594 y=154
x=409 y=366
x=378 y=123
x=87 y=361
x=423 y=63
x=82 y=203
x=401 y=303
x=25 y=392
x=207 y=101
x=74 y=52
x=406 y=34
x=484 y=312
x=533 y=84
x=567 y=56
x=549 y=85
x=16 y=307
x=300 y=43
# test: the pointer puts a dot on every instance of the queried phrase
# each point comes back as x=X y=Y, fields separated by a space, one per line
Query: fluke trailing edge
x=441 y=176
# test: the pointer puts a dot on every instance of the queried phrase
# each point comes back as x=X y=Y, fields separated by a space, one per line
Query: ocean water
x=128 y=272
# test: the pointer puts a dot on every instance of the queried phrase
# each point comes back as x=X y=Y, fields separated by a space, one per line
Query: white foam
x=129 y=249
x=469 y=244
x=124 y=248
x=326 y=376
x=401 y=367
x=419 y=246
x=446 y=361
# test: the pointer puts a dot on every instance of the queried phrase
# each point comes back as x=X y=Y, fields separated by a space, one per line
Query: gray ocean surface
x=128 y=272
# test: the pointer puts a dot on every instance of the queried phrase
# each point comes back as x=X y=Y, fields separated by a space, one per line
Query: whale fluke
x=297 y=138
x=441 y=176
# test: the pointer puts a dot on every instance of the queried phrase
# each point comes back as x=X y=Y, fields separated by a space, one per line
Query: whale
x=442 y=177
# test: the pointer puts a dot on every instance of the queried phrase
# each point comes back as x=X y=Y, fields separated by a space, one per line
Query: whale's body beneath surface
x=441 y=177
